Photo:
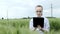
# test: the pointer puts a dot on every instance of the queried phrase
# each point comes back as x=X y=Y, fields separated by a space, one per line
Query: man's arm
x=46 y=26
x=31 y=25
x=43 y=30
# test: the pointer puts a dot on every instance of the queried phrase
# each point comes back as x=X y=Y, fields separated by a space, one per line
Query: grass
x=21 y=26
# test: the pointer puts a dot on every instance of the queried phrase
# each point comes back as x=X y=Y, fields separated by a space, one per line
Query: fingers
x=39 y=26
x=35 y=28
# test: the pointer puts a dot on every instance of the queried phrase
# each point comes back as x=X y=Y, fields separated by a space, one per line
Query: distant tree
x=24 y=18
x=2 y=18
x=28 y=17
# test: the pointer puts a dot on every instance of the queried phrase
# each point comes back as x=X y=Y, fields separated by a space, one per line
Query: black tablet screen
x=38 y=21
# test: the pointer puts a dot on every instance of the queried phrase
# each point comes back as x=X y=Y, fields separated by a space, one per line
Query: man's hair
x=40 y=6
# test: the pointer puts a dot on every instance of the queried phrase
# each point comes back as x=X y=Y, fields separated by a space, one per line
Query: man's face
x=39 y=11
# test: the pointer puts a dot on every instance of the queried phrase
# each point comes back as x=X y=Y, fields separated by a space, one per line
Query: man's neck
x=38 y=16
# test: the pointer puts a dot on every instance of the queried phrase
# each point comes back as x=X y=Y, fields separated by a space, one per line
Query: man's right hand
x=35 y=28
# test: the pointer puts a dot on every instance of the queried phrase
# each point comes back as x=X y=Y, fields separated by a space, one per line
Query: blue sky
x=24 y=8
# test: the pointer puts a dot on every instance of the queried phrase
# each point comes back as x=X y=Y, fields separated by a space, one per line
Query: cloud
x=24 y=8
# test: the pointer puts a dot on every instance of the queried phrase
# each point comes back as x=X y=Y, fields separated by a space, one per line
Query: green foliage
x=55 y=24
x=21 y=26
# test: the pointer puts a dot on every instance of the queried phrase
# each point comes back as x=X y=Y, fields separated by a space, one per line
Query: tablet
x=38 y=21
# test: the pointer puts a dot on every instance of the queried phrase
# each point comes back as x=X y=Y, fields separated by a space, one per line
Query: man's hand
x=35 y=28
x=39 y=27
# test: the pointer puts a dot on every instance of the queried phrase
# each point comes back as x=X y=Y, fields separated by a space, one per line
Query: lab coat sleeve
x=31 y=25
x=46 y=25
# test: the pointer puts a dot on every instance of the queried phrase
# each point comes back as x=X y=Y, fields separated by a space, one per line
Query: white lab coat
x=46 y=25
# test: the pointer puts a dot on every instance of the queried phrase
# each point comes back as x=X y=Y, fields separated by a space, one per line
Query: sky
x=25 y=8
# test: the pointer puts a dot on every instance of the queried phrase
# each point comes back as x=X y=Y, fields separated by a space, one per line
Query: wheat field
x=21 y=26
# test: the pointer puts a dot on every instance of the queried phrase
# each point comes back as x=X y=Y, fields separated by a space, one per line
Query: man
x=39 y=13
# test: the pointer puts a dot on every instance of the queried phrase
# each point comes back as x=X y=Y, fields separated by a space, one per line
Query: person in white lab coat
x=39 y=11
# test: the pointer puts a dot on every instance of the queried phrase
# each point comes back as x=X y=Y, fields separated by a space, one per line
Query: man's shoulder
x=45 y=17
x=31 y=19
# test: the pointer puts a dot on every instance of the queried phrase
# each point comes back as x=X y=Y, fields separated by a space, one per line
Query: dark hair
x=39 y=6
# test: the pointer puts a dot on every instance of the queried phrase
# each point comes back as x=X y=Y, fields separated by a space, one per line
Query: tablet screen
x=38 y=21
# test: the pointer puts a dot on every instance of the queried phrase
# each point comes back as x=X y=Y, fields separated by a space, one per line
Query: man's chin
x=38 y=16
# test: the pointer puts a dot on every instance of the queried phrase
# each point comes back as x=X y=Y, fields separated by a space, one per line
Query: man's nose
x=38 y=12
